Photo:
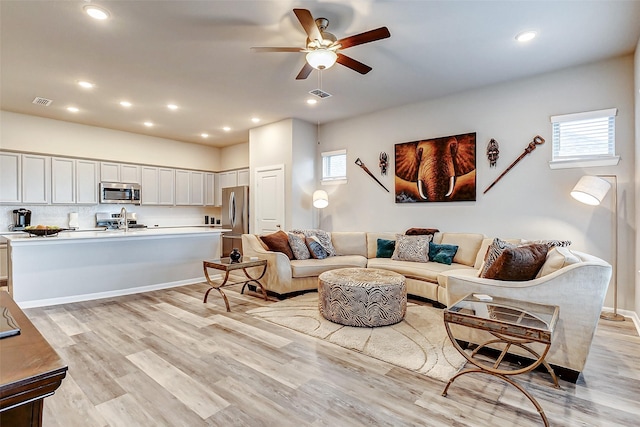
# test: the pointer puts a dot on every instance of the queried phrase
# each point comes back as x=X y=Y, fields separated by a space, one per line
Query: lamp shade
x=320 y=199
x=321 y=58
x=590 y=190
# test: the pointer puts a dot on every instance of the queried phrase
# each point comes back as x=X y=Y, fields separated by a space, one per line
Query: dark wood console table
x=30 y=370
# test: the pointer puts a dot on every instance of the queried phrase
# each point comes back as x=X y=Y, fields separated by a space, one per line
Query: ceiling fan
x=323 y=48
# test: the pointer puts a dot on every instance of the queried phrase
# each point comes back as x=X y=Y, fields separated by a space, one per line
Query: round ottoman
x=362 y=296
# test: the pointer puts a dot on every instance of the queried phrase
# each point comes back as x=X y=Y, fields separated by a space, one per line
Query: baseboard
x=627 y=313
x=108 y=294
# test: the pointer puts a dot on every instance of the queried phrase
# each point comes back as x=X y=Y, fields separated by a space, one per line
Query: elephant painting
x=436 y=170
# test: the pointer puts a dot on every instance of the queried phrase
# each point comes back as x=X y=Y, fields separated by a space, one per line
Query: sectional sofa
x=574 y=281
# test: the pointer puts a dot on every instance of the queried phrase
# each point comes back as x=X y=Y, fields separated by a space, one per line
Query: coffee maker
x=21 y=219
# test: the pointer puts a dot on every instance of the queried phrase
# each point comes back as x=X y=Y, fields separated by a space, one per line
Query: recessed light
x=312 y=101
x=172 y=106
x=86 y=85
x=148 y=124
x=526 y=36
x=226 y=128
x=72 y=109
x=125 y=104
x=96 y=12
x=204 y=135
x=255 y=120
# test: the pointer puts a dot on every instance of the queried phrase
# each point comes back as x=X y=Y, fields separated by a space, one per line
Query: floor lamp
x=591 y=190
x=320 y=201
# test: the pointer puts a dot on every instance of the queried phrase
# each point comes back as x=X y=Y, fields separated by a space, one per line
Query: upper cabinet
x=74 y=181
x=157 y=186
x=166 y=186
x=243 y=177
x=87 y=182
x=189 y=188
x=36 y=179
x=10 y=177
x=210 y=189
x=228 y=179
x=117 y=172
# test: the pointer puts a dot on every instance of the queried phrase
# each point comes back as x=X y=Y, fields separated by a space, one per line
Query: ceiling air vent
x=38 y=100
x=320 y=93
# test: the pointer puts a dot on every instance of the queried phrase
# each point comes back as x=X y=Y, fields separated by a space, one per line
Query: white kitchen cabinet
x=36 y=179
x=109 y=172
x=183 y=179
x=209 y=189
x=166 y=186
x=196 y=188
x=218 y=193
x=87 y=182
x=243 y=177
x=10 y=177
x=150 y=193
x=4 y=270
x=63 y=179
x=130 y=173
x=228 y=179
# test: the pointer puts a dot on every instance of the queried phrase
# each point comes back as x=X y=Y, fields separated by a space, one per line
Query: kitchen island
x=83 y=265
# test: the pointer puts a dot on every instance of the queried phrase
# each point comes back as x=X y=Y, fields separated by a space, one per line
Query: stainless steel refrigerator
x=235 y=216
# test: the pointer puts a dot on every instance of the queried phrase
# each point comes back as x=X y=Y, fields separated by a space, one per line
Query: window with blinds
x=334 y=166
x=584 y=136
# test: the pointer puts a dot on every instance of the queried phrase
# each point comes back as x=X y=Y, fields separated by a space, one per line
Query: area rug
x=419 y=342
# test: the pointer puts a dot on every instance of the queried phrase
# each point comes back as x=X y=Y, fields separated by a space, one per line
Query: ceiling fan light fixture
x=321 y=59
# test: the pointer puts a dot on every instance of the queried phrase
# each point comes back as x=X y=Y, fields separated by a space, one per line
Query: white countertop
x=134 y=233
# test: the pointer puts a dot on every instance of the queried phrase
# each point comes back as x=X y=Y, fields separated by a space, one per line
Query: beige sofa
x=574 y=281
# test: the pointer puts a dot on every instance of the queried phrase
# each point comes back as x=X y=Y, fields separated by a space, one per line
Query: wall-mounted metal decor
x=436 y=170
x=537 y=140
x=493 y=152
x=366 y=169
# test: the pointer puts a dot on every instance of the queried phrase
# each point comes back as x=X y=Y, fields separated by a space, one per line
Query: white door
x=269 y=196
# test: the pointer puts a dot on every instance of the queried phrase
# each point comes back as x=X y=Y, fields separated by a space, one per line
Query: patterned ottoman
x=362 y=296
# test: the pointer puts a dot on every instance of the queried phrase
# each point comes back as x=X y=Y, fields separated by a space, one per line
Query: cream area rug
x=419 y=342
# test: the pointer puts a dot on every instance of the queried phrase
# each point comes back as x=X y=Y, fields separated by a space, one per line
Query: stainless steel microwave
x=114 y=192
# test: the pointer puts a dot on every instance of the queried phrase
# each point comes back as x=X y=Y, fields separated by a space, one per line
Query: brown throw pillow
x=420 y=231
x=278 y=242
x=518 y=263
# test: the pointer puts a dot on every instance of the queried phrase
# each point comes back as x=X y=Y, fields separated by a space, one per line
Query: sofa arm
x=278 y=275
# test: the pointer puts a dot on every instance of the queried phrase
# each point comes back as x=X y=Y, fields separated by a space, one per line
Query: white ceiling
x=197 y=55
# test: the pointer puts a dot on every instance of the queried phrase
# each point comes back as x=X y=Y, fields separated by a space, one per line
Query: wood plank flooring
x=166 y=359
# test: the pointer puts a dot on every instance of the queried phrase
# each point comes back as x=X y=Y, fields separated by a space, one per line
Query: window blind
x=585 y=135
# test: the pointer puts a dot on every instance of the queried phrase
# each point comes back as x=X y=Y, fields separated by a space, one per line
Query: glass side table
x=511 y=323
x=226 y=265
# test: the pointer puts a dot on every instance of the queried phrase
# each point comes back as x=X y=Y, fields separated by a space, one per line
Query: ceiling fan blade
x=308 y=23
x=353 y=64
x=304 y=73
x=366 y=37
x=276 y=49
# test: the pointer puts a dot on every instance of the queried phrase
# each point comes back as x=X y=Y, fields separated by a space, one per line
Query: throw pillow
x=518 y=263
x=323 y=237
x=278 y=242
x=298 y=246
x=316 y=250
x=385 y=248
x=442 y=253
x=420 y=231
x=412 y=248
x=493 y=252
x=551 y=243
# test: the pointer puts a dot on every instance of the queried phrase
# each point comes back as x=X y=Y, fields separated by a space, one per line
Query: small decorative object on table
x=235 y=255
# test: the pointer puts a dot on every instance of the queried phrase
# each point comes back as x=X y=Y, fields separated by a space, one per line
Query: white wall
x=234 y=157
x=35 y=134
x=531 y=201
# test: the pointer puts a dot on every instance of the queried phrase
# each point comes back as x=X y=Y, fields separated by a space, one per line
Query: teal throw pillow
x=442 y=253
x=385 y=248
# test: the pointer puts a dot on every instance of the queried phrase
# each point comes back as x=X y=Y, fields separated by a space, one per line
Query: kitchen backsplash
x=163 y=216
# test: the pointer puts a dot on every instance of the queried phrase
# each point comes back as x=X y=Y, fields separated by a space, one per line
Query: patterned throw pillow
x=316 y=250
x=442 y=253
x=493 y=252
x=298 y=246
x=278 y=242
x=551 y=243
x=412 y=248
x=518 y=263
x=385 y=248
x=323 y=237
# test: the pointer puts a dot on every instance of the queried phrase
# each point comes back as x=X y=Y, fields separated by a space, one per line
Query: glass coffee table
x=226 y=265
x=512 y=323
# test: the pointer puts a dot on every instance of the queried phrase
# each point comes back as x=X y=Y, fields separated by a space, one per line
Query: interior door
x=269 y=199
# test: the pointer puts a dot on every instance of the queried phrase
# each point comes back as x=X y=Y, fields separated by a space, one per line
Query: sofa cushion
x=315 y=248
x=443 y=277
x=278 y=242
x=349 y=242
x=298 y=246
x=385 y=248
x=412 y=248
x=442 y=253
x=468 y=246
x=427 y=271
x=314 y=267
x=557 y=258
x=518 y=263
x=372 y=241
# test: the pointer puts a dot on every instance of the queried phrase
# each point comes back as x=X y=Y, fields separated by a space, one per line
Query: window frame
x=324 y=179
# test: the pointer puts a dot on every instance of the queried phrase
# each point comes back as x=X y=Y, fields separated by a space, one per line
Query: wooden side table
x=512 y=323
x=30 y=370
x=226 y=265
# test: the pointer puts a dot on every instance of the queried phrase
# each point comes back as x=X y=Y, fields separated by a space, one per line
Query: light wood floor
x=166 y=359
